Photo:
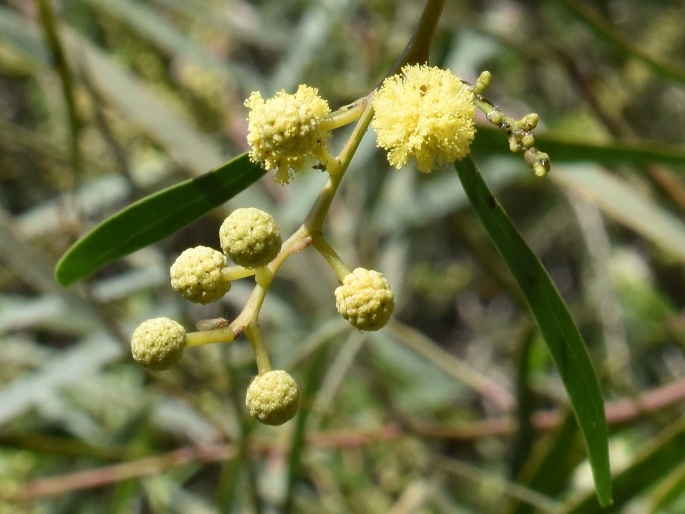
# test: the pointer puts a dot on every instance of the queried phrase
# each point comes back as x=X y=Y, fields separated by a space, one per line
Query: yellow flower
x=425 y=113
x=284 y=130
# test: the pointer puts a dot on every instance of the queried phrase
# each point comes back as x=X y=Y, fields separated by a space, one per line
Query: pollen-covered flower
x=426 y=113
x=284 y=130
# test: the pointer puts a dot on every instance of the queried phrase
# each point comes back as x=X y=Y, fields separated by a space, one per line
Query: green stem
x=314 y=220
x=236 y=272
x=334 y=261
x=250 y=312
x=417 y=51
x=304 y=235
x=345 y=115
x=254 y=335
x=49 y=24
x=218 y=335
x=418 y=48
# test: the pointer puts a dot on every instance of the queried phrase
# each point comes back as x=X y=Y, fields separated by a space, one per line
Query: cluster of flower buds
x=519 y=132
x=249 y=237
x=423 y=113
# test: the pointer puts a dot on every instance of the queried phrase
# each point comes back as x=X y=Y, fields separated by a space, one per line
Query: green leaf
x=655 y=462
x=552 y=464
x=668 y=494
x=155 y=217
x=491 y=141
x=554 y=321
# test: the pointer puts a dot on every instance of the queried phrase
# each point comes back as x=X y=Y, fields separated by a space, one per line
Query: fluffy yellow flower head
x=426 y=113
x=284 y=130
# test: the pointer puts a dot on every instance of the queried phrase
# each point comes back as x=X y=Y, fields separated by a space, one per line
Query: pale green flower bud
x=158 y=343
x=273 y=397
x=199 y=275
x=365 y=299
x=250 y=237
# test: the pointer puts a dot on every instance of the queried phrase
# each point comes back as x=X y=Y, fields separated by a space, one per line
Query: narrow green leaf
x=669 y=493
x=298 y=443
x=549 y=469
x=491 y=141
x=554 y=321
x=154 y=217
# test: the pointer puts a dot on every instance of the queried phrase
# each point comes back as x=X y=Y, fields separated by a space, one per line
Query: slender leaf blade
x=155 y=217
x=551 y=465
x=554 y=321
x=491 y=141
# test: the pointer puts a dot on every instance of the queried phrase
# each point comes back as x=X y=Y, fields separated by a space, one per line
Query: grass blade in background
x=624 y=203
x=155 y=217
x=550 y=467
x=554 y=321
x=607 y=30
x=660 y=457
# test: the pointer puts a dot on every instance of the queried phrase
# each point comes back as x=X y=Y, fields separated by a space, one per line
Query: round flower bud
x=250 y=237
x=426 y=113
x=199 y=275
x=158 y=343
x=285 y=129
x=365 y=299
x=273 y=397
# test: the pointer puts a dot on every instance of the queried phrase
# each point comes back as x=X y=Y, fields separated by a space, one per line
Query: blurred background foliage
x=455 y=406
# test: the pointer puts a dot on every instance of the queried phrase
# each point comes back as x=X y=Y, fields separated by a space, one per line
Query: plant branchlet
x=519 y=132
x=422 y=114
